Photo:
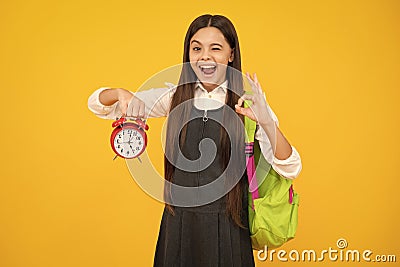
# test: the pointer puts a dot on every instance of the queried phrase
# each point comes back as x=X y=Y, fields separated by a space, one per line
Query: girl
x=215 y=233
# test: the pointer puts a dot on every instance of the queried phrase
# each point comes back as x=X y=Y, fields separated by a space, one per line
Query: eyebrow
x=193 y=41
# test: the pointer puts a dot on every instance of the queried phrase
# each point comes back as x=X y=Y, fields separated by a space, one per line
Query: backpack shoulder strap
x=249 y=124
x=250 y=127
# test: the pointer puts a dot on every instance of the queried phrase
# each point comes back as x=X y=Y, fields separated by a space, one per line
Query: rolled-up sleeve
x=290 y=167
x=100 y=110
x=156 y=100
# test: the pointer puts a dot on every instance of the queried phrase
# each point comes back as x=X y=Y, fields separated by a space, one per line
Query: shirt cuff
x=97 y=107
x=289 y=168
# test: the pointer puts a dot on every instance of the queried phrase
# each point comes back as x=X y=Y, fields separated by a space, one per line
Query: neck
x=209 y=86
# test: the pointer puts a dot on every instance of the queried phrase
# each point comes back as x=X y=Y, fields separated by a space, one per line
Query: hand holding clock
x=129 y=105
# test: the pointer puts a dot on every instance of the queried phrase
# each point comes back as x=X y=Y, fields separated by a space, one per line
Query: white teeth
x=207 y=67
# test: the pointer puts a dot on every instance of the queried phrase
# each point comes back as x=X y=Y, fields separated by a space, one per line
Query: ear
x=232 y=55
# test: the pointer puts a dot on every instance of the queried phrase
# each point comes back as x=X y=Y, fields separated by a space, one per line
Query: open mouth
x=208 y=70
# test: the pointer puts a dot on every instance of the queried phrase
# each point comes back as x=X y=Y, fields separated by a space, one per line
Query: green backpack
x=273 y=205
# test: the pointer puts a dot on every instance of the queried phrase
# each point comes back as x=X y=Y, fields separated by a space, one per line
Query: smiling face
x=209 y=56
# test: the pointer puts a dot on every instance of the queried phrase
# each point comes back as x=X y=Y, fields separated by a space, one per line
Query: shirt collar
x=223 y=86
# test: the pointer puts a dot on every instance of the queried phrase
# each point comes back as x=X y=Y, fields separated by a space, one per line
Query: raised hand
x=258 y=110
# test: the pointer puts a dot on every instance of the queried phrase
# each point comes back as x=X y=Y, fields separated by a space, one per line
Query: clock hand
x=129 y=140
x=132 y=148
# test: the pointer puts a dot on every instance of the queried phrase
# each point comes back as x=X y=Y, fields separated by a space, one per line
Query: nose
x=205 y=56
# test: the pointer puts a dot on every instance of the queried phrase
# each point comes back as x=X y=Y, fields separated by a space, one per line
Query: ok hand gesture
x=258 y=110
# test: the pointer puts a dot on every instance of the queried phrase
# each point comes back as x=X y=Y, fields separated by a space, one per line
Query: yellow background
x=330 y=70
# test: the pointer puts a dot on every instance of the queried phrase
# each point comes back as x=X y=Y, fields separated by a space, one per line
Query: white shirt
x=157 y=103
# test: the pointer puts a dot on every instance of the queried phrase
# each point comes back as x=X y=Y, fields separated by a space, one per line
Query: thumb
x=245 y=112
x=123 y=108
x=240 y=110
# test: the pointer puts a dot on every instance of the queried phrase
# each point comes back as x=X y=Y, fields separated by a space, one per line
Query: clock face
x=129 y=142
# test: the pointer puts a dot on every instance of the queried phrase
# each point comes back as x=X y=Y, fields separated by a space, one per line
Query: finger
x=257 y=84
x=244 y=111
x=255 y=78
x=249 y=78
x=239 y=109
x=245 y=97
x=135 y=108
x=141 y=110
x=242 y=99
x=252 y=83
x=123 y=108
x=129 y=108
x=240 y=102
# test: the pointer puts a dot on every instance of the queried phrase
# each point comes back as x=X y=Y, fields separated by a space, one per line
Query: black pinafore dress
x=203 y=236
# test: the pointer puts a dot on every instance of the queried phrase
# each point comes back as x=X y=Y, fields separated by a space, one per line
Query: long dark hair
x=185 y=92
